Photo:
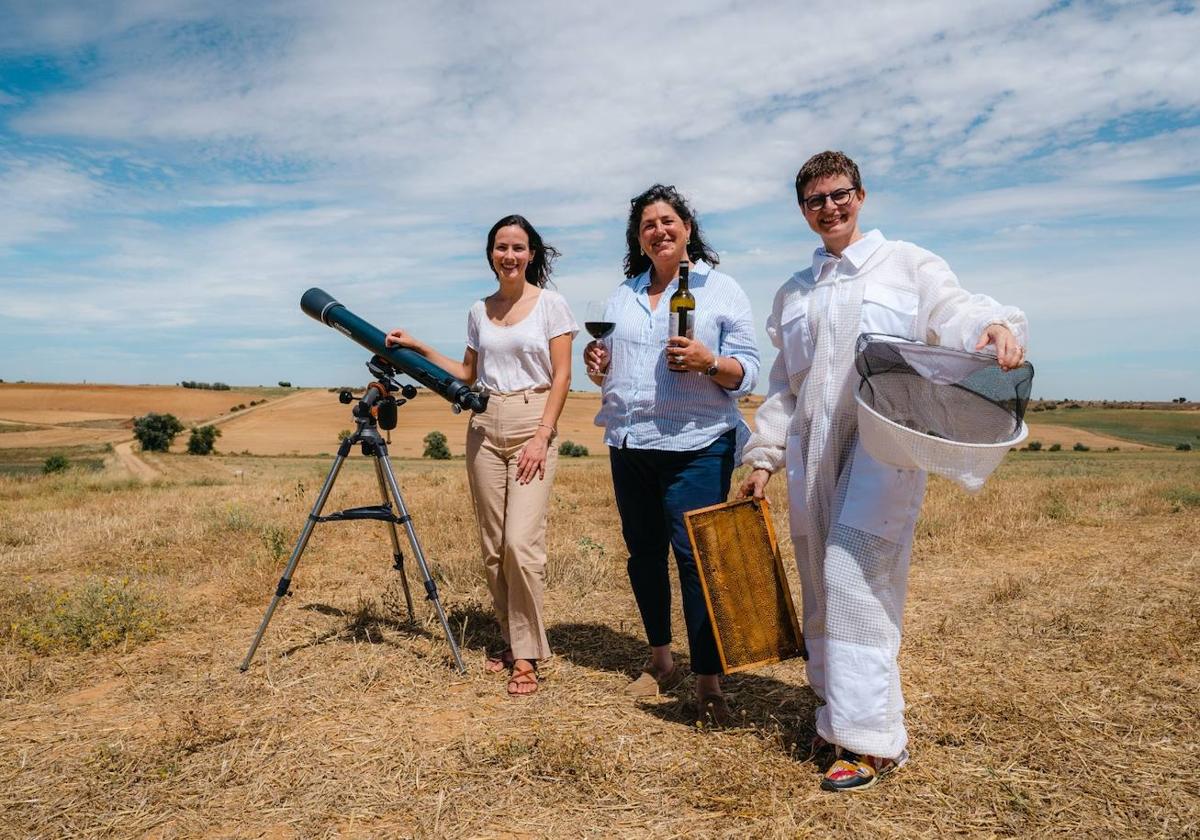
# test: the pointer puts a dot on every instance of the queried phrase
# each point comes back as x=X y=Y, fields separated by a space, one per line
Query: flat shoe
x=648 y=684
x=520 y=680
x=854 y=773
x=497 y=662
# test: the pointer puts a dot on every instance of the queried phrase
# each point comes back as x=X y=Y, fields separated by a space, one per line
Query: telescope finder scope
x=322 y=306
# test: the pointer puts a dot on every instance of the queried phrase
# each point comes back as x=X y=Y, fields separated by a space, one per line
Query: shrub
x=1055 y=447
x=572 y=450
x=283 y=384
x=155 y=432
x=1079 y=447
x=435 y=447
x=95 y=614
x=343 y=434
x=202 y=440
x=1034 y=446
x=55 y=464
x=1183 y=447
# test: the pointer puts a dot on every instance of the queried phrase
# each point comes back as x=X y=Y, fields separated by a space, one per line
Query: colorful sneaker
x=853 y=772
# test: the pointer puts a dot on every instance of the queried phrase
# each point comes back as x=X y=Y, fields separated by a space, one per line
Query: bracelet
x=548 y=426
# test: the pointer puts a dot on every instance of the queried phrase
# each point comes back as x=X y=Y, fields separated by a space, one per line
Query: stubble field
x=1050 y=667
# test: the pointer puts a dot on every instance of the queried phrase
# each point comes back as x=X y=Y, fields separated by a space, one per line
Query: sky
x=175 y=174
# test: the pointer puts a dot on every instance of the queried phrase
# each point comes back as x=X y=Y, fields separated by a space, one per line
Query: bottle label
x=681 y=324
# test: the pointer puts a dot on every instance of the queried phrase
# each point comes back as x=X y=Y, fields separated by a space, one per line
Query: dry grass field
x=1050 y=666
x=43 y=415
x=1050 y=663
x=309 y=424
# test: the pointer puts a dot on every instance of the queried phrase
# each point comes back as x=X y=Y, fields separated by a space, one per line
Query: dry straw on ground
x=1050 y=667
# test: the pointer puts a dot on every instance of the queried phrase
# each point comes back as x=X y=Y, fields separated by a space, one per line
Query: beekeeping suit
x=852 y=518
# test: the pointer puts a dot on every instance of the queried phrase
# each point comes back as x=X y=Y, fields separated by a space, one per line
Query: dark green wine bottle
x=683 y=307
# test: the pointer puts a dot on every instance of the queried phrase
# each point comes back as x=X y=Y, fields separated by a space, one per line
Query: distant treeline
x=207 y=386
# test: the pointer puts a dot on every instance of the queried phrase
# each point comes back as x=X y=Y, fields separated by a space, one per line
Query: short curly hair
x=823 y=165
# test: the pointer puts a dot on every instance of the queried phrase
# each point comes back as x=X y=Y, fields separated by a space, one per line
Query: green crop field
x=1159 y=427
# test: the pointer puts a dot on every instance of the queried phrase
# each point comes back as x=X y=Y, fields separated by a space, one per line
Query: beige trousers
x=512 y=516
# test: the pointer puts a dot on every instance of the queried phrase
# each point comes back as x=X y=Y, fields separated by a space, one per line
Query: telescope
x=322 y=306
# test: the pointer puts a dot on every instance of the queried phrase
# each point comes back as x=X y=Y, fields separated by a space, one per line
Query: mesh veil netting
x=948 y=394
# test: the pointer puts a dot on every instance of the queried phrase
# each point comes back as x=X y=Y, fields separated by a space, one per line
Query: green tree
x=203 y=439
x=435 y=447
x=155 y=432
x=55 y=463
x=570 y=449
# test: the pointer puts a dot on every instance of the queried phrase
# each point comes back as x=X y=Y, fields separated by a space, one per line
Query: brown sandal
x=497 y=662
x=521 y=679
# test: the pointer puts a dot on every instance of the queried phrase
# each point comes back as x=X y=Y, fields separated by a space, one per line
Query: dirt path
x=130 y=461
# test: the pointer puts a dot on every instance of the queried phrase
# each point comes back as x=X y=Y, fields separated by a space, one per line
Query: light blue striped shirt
x=647 y=406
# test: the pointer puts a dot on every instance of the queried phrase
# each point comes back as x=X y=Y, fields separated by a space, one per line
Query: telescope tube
x=322 y=306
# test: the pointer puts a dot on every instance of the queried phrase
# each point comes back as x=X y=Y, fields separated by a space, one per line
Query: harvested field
x=1157 y=427
x=56 y=404
x=1068 y=436
x=1050 y=667
x=60 y=437
x=309 y=425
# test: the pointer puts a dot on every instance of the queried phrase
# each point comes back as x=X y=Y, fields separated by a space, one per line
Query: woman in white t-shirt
x=519 y=348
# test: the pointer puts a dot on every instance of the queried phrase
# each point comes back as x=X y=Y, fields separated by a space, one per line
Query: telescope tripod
x=377 y=407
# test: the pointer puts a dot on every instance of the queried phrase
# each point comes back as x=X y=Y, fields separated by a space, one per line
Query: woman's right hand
x=755 y=484
x=595 y=356
x=401 y=338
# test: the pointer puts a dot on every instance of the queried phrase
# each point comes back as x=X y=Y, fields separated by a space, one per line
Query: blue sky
x=174 y=174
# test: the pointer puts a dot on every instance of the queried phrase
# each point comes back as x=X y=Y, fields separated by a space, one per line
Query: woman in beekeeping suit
x=852 y=518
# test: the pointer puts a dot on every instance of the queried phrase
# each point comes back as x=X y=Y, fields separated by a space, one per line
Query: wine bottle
x=683 y=306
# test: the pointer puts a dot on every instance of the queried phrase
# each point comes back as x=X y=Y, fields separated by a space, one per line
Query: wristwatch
x=714 y=368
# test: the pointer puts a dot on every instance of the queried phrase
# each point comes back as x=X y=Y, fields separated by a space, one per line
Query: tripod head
x=377 y=404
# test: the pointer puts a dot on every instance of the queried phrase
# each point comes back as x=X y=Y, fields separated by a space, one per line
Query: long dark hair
x=544 y=254
x=697 y=249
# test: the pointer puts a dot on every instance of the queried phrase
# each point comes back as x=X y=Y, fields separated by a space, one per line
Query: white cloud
x=208 y=162
x=40 y=198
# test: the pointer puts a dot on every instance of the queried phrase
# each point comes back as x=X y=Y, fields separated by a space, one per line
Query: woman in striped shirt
x=672 y=424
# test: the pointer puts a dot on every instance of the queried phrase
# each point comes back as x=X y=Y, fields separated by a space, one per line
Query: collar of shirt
x=642 y=281
x=856 y=255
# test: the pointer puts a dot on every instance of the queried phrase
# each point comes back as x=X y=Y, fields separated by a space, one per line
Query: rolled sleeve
x=738 y=342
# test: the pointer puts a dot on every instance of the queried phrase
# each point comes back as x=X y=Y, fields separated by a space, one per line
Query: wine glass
x=597 y=327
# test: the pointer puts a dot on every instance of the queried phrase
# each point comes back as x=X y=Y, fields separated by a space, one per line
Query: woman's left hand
x=688 y=354
x=531 y=463
x=1009 y=352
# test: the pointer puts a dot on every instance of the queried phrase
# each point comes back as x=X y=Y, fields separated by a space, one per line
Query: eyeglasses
x=840 y=199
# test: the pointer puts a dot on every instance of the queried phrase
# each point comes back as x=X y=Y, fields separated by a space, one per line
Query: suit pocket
x=797 y=337
x=880 y=499
x=889 y=310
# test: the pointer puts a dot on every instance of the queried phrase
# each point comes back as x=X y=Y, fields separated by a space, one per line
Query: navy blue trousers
x=654 y=488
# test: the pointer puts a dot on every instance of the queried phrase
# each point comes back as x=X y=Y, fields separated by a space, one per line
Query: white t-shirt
x=517 y=357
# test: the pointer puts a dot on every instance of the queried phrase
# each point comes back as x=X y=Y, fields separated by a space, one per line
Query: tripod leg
x=397 y=554
x=286 y=581
x=430 y=587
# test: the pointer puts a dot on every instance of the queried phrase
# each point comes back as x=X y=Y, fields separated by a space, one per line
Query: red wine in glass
x=599 y=329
